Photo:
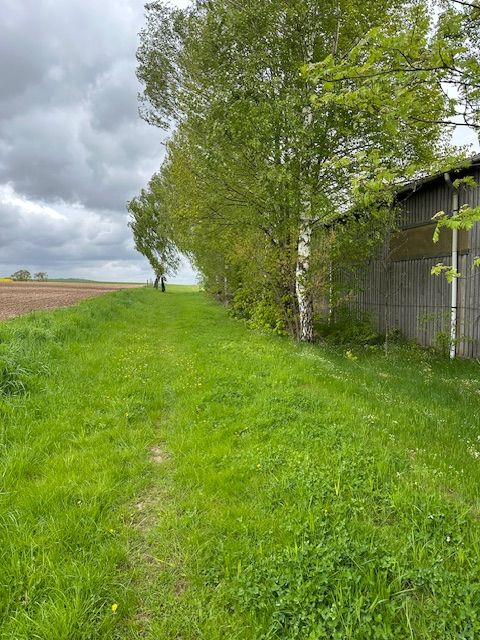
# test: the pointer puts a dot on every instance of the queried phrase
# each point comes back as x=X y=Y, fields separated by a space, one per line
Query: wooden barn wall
x=403 y=295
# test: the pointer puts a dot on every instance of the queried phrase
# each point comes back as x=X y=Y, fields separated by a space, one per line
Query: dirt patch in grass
x=148 y=555
x=158 y=455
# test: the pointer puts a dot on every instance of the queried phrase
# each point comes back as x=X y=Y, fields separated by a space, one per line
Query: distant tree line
x=295 y=123
x=23 y=275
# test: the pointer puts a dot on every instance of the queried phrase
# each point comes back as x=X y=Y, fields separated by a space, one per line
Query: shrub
x=350 y=327
x=260 y=312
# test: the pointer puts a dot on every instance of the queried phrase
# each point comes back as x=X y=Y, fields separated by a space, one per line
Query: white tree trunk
x=304 y=297
x=302 y=274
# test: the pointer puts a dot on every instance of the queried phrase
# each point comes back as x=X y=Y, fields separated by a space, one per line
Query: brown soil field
x=17 y=298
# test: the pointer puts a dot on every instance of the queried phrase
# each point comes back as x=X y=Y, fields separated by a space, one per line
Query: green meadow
x=166 y=473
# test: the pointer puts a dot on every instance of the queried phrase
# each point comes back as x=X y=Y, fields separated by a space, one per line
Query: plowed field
x=17 y=298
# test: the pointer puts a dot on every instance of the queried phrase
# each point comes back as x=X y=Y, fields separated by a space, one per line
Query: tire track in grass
x=155 y=567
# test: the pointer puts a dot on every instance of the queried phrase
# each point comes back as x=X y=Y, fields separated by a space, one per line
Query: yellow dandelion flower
x=114 y=607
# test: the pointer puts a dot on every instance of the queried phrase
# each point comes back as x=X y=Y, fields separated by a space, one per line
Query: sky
x=73 y=149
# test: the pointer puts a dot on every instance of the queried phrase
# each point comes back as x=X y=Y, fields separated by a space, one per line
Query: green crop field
x=168 y=474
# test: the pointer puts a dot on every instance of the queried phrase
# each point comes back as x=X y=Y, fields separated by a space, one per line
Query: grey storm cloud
x=73 y=149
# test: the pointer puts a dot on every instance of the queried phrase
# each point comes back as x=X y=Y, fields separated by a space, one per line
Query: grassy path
x=167 y=474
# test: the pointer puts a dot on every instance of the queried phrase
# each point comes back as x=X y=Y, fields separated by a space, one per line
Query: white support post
x=454 y=314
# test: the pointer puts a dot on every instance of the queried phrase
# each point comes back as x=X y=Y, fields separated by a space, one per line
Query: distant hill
x=85 y=281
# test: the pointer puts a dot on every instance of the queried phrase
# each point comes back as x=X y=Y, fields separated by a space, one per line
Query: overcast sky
x=73 y=149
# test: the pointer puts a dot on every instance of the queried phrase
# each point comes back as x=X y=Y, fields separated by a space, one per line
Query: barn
x=399 y=292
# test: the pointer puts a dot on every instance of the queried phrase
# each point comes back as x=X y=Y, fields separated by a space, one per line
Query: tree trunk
x=304 y=250
x=157 y=280
x=304 y=296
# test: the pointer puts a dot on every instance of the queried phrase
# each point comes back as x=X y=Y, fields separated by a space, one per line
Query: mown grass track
x=217 y=483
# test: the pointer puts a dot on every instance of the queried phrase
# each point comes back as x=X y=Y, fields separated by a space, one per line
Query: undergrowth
x=349 y=327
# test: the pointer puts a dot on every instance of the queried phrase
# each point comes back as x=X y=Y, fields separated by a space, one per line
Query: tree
x=21 y=275
x=266 y=159
x=150 y=232
x=458 y=41
x=41 y=276
x=451 y=59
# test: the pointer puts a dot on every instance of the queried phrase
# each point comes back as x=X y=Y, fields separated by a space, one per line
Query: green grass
x=221 y=484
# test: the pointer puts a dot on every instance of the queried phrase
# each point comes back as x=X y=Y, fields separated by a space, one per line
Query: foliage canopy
x=295 y=122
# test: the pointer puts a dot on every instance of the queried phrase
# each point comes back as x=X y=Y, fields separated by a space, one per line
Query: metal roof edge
x=414 y=185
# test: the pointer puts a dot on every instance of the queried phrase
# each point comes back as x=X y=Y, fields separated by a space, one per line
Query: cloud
x=73 y=149
x=39 y=232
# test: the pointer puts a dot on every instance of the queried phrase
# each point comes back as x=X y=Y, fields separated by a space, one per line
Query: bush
x=350 y=327
x=260 y=313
